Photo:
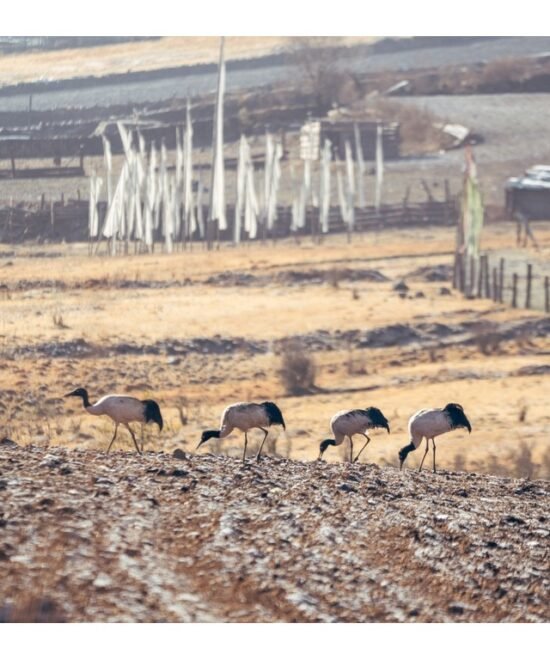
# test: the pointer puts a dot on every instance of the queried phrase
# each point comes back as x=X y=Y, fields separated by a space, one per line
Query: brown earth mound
x=86 y=536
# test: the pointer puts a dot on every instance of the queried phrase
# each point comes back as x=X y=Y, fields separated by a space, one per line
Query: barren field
x=90 y=537
x=183 y=535
x=200 y=330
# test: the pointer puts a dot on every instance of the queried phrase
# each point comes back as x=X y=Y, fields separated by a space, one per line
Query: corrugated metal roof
x=536 y=178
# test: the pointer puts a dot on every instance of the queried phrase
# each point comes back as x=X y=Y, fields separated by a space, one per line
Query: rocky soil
x=419 y=335
x=86 y=536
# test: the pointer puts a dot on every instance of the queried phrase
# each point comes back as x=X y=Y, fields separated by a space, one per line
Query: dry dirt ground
x=86 y=536
x=198 y=331
x=139 y=56
x=197 y=536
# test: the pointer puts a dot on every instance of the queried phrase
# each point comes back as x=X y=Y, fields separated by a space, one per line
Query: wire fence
x=67 y=220
x=509 y=277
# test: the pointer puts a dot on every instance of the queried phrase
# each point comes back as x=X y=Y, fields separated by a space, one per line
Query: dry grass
x=417 y=127
x=194 y=387
x=504 y=71
x=139 y=56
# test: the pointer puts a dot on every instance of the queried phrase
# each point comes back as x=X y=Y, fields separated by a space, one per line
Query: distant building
x=530 y=194
x=340 y=131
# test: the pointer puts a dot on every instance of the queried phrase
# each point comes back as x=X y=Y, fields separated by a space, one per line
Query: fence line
x=68 y=221
x=518 y=284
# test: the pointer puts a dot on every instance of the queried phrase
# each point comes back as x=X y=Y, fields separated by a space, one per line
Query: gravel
x=206 y=538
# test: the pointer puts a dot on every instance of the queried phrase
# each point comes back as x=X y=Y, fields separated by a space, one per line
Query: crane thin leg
x=350 y=449
x=433 y=440
x=363 y=447
x=133 y=438
x=260 y=449
x=423 y=457
x=113 y=439
x=245 y=444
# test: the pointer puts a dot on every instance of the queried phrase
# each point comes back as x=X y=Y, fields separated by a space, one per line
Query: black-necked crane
x=348 y=423
x=429 y=424
x=246 y=416
x=122 y=410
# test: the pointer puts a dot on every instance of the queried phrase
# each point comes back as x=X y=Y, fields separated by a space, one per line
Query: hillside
x=87 y=536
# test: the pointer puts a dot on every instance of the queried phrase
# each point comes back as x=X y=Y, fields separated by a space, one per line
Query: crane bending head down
x=430 y=424
x=347 y=423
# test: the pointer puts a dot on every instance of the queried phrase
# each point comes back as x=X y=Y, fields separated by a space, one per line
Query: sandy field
x=198 y=331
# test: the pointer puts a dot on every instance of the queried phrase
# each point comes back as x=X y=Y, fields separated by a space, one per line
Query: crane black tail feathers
x=378 y=419
x=274 y=414
x=457 y=416
x=152 y=413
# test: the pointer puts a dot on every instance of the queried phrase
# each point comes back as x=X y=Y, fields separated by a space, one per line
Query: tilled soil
x=397 y=334
x=86 y=536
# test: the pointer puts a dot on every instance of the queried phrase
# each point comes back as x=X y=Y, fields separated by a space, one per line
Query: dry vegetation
x=316 y=328
x=179 y=535
x=140 y=56
x=417 y=126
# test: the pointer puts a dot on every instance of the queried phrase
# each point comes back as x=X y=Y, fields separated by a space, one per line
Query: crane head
x=206 y=435
x=80 y=391
x=404 y=452
x=323 y=446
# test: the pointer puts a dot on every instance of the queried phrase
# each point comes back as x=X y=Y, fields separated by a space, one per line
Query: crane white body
x=430 y=423
x=427 y=423
x=244 y=417
x=347 y=423
x=122 y=410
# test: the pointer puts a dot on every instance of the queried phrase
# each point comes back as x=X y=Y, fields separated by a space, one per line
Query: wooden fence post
x=528 y=286
x=461 y=272
x=501 y=281
x=480 y=276
x=472 y=275
x=515 y=290
x=486 y=277
x=458 y=274
x=495 y=285
x=547 y=294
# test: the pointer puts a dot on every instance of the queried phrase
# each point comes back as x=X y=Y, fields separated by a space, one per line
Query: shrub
x=297 y=370
x=488 y=342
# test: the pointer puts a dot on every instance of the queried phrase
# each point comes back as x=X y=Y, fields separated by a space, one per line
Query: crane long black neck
x=206 y=435
x=84 y=396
